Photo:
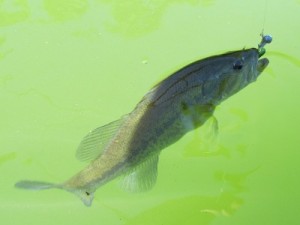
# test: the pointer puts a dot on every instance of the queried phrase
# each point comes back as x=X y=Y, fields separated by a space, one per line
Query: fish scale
x=180 y=103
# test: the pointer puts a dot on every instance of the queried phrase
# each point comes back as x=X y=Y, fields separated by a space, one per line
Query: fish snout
x=262 y=64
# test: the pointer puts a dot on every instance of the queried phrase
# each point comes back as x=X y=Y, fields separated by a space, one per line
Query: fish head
x=235 y=70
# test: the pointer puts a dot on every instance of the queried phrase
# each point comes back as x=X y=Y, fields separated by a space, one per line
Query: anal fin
x=142 y=177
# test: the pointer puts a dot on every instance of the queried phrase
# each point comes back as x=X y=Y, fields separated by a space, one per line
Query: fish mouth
x=262 y=64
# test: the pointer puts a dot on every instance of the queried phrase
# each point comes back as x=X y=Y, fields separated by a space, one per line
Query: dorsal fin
x=93 y=144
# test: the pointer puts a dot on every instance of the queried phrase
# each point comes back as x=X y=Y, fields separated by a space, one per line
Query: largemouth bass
x=182 y=102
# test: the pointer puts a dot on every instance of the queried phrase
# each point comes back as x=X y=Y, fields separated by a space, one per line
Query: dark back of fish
x=186 y=99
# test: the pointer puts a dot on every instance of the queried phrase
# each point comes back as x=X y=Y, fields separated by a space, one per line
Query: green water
x=67 y=67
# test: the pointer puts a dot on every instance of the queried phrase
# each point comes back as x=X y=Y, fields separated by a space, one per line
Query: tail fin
x=34 y=185
x=85 y=196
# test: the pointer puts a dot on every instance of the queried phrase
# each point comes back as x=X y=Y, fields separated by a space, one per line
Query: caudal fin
x=85 y=196
x=34 y=185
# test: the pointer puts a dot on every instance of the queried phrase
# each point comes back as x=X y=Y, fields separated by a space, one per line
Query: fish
x=182 y=102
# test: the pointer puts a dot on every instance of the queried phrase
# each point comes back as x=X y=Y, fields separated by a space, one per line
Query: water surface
x=69 y=66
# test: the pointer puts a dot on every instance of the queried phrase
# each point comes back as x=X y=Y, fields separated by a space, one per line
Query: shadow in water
x=190 y=210
x=128 y=18
x=135 y=17
x=196 y=209
x=4 y=158
x=12 y=12
x=64 y=10
x=292 y=59
x=4 y=52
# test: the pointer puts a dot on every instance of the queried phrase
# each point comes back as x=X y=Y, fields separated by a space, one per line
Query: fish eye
x=237 y=65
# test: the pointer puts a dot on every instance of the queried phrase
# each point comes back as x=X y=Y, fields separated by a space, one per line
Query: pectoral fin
x=211 y=128
x=142 y=177
x=206 y=139
x=93 y=144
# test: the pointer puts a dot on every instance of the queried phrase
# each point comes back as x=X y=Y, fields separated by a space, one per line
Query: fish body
x=182 y=102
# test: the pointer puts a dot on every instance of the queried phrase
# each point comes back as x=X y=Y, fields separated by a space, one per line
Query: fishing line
x=265 y=39
x=265 y=15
